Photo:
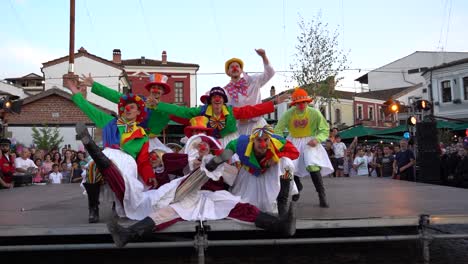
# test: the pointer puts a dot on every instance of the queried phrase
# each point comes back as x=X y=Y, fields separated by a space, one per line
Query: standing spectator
x=38 y=177
x=68 y=159
x=57 y=158
x=396 y=149
x=404 y=162
x=377 y=162
x=387 y=163
x=55 y=177
x=7 y=163
x=47 y=165
x=81 y=158
x=370 y=158
x=76 y=172
x=66 y=173
x=339 y=148
x=360 y=164
x=331 y=155
x=333 y=134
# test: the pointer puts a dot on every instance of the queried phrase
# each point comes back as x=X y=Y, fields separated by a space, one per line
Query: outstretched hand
x=87 y=80
x=72 y=85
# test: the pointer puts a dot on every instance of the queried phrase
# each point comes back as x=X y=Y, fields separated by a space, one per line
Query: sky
x=208 y=32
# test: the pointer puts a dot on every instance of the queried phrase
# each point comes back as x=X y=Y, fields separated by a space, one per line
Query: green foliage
x=318 y=60
x=47 y=138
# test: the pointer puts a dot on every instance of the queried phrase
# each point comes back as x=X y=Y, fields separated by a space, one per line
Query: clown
x=245 y=90
x=307 y=129
x=118 y=133
x=196 y=197
x=266 y=173
x=222 y=118
x=157 y=87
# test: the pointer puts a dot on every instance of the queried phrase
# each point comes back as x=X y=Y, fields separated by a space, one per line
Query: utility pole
x=71 y=52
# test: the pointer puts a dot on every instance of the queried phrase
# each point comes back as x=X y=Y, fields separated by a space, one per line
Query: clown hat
x=158 y=79
x=198 y=123
x=300 y=95
x=204 y=98
x=133 y=98
x=228 y=62
x=217 y=91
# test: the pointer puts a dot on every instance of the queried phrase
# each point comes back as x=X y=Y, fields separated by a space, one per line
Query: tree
x=318 y=60
x=47 y=138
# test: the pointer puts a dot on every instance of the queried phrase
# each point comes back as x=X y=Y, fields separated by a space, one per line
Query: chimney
x=272 y=91
x=164 y=57
x=143 y=60
x=116 y=56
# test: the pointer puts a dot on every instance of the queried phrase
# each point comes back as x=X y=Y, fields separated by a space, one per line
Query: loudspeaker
x=428 y=163
x=426 y=136
x=428 y=156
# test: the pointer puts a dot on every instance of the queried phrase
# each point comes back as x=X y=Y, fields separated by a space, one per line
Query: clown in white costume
x=307 y=129
x=267 y=169
x=197 y=197
x=245 y=90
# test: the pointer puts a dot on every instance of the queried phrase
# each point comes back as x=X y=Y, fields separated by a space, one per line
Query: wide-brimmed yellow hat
x=228 y=62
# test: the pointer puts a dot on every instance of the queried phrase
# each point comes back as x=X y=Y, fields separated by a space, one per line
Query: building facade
x=448 y=84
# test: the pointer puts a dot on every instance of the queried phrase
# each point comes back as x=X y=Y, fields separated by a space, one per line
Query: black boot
x=318 y=183
x=102 y=162
x=285 y=225
x=297 y=180
x=283 y=197
x=93 y=189
x=122 y=235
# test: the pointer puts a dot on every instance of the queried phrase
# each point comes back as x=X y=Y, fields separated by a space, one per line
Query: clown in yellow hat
x=244 y=89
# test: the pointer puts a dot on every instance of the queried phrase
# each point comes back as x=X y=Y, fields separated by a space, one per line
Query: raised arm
x=251 y=111
x=101 y=90
x=180 y=111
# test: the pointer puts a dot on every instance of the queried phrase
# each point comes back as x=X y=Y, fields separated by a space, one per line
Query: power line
x=448 y=23
x=148 y=31
x=91 y=24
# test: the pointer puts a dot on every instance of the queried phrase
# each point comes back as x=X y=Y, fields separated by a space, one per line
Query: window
x=381 y=114
x=338 y=116
x=323 y=111
x=370 y=113
x=465 y=88
x=179 y=92
x=359 y=112
x=446 y=91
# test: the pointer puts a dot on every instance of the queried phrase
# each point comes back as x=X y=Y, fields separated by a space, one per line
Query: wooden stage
x=358 y=202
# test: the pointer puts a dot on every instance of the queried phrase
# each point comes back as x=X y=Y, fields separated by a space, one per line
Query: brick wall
x=53 y=109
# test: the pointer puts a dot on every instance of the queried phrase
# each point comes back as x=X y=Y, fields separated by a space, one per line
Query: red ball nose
x=128 y=108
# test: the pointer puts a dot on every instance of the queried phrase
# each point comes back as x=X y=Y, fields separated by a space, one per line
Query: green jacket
x=157 y=120
x=112 y=132
x=190 y=112
x=319 y=125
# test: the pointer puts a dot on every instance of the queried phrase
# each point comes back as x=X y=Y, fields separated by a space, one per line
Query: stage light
x=412 y=120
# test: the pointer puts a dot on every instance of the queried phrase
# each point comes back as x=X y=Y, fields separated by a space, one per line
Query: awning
x=357 y=131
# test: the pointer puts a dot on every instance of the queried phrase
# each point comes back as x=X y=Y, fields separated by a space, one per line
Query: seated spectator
x=55 y=177
x=24 y=165
x=7 y=162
